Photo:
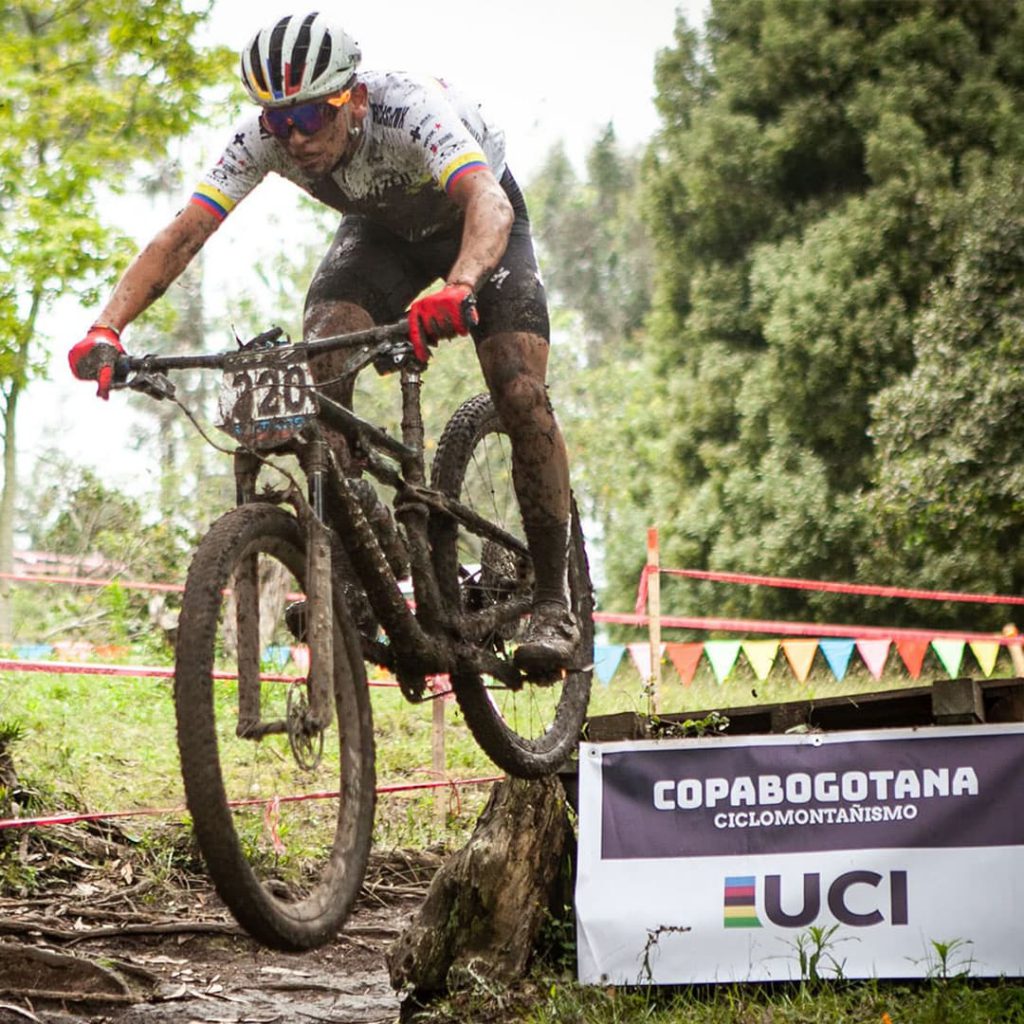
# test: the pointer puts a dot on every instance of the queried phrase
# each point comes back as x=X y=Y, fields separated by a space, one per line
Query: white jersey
x=420 y=136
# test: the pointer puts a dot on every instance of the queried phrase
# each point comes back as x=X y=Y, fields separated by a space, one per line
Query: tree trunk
x=8 y=497
x=487 y=903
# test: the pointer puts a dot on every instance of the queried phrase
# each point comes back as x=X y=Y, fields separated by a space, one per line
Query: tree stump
x=487 y=902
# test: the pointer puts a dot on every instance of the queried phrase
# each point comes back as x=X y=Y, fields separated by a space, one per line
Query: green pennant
x=722 y=654
x=950 y=653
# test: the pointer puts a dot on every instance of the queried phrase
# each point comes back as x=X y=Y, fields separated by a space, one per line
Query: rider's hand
x=443 y=314
x=93 y=358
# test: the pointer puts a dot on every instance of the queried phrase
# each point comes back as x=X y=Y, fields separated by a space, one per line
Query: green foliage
x=90 y=88
x=597 y=261
x=821 y=202
x=814 y=950
x=593 y=243
x=948 y=477
x=76 y=515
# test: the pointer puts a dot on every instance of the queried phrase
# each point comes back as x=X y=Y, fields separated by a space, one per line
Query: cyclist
x=420 y=178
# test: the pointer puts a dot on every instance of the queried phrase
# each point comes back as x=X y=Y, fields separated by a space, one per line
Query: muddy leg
x=515 y=366
x=322 y=320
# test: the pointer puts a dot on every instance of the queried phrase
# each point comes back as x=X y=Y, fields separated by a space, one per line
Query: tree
x=805 y=202
x=90 y=88
x=949 y=478
x=594 y=246
x=597 y=259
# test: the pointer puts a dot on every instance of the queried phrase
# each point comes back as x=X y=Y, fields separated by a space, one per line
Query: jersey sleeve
x=450 y=148
x=241 y=167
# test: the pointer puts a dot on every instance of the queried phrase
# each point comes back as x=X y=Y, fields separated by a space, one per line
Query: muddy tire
x=288 y=867
x=531 y=731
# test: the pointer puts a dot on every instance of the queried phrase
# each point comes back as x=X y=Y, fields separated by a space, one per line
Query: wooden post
x=438 y=760
x=1016 y=653
x=654 y=614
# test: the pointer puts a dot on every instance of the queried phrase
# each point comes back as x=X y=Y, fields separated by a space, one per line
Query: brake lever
x=394 y=357
x=148 y=382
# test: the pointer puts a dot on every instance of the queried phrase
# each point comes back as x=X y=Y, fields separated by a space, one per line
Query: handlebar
x=127 y=364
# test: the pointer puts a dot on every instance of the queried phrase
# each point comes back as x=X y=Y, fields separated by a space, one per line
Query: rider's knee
x=522 y=399
x=326 y=317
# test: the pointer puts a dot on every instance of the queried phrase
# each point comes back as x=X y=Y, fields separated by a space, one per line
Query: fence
x=837 y=642
x=799 y=644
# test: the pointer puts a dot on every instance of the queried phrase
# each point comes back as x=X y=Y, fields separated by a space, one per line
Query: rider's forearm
x=485 y=233
x=156 y=267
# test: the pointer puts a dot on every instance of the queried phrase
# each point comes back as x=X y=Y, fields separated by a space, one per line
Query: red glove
x=93 y=358
x=443 y=314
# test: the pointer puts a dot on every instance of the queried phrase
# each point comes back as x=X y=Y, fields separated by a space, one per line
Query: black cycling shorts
x=382 y=273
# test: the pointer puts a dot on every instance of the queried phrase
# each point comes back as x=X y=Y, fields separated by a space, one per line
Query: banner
x=710 y=860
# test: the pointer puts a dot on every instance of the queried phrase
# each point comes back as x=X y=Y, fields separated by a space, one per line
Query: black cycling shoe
x=549 y=644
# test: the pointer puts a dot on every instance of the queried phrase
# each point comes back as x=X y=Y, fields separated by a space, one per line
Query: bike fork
x=319 y=594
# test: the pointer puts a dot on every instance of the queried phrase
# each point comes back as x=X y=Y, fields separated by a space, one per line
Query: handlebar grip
x=122 y=368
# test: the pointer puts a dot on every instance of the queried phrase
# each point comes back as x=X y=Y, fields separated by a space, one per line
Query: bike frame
x=429 y=639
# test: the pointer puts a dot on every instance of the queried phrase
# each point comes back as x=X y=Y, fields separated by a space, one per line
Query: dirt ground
x=108 y=938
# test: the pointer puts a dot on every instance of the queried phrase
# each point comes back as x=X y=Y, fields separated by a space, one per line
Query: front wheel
x=283 y=823
x=530 y=731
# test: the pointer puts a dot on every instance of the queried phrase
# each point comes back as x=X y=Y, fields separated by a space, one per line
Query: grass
x=108 y=744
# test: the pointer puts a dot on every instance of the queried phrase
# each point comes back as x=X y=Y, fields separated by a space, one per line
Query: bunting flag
x=685 y=657
x=800 y=655
x=641 y=655
x=722 y=654
x=837 y=653
x=874 y=654
x=111 y=652
x=950 y=653
x=761 y=655
x=912 y=650
x=300 y=655
x=33 y=651
x=606 y=661
x=440 y=685
x=986 y=652
x=73 y=650
x=276 y=655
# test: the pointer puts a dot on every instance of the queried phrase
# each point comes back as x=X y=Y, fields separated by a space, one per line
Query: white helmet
x=299 y=58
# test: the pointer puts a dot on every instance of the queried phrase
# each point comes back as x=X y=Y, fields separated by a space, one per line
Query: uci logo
x=856 y=898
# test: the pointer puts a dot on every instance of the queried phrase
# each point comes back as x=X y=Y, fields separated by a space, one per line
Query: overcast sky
x=547 y=71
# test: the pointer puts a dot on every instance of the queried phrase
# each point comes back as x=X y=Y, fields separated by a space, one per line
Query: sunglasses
x=309 y=118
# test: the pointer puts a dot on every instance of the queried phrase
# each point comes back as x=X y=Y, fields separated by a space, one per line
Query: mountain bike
x=311 y=553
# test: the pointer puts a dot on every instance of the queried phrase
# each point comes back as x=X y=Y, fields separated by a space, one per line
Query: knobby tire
x=493 y=715
x=313 y=918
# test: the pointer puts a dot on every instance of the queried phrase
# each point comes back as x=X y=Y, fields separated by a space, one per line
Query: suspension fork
x=319 y=606
x=247 y=610
x=319 y=592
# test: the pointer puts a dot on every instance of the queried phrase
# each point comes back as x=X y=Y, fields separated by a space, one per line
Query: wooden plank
x=957 y=702
x=992 y=700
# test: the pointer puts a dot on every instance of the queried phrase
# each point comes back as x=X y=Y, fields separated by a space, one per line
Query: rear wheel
x=284 y=822
x=529 y=731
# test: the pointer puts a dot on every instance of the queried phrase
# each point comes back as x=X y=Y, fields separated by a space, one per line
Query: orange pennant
x=800 y=655
x=685 y=658
x=912 y=650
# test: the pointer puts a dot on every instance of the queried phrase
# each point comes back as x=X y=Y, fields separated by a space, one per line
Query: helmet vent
x=323 y=58
x=275 y=63
x=257 y=68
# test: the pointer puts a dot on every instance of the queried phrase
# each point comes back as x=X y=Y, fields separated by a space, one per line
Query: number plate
x=266 y=397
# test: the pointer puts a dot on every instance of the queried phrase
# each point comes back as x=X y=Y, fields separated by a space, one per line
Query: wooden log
x=487 y=903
